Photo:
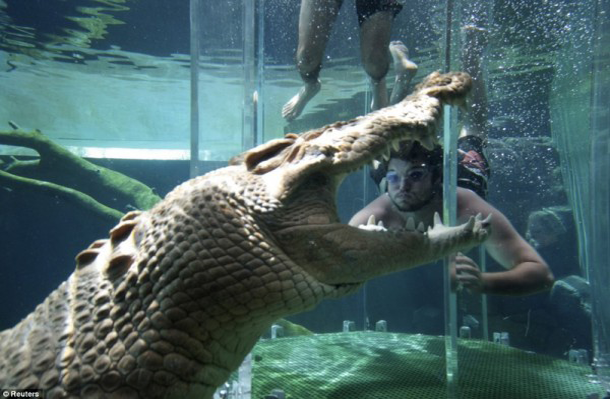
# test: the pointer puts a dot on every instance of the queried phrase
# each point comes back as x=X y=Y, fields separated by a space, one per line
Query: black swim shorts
x=473 y=167
x=366 y=8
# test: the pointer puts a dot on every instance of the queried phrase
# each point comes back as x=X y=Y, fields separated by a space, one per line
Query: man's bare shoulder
x=470 y=204
x=379 y=207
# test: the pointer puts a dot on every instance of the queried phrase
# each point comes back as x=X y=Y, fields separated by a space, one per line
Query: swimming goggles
x=413 y=175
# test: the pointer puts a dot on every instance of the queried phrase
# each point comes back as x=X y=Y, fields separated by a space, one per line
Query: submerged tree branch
x=23 y=184
x=62 y=174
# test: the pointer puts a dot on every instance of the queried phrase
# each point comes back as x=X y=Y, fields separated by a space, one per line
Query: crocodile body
x=176 y=297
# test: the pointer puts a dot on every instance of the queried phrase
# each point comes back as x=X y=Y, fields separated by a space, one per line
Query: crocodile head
x=173 y=301
x=291 y=185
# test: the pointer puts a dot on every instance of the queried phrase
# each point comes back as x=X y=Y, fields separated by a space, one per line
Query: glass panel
x=450 y=208
x=409 y=302
x=599 y=222
x=343 y=95
x=343 y=81
x=570 y=113
x=67 y=63
x=108 y=80
x=537 y=65
x=222 y=77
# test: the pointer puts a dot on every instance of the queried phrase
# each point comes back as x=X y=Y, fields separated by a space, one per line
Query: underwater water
x=110 y=80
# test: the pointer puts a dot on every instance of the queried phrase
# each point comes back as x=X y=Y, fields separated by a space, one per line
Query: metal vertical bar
x=484 y=309
x=195 y=8
x=259 y=106
x=480 y=13
x=249 y=131
x=366 y=198
x=249 y=64
x=448 y=36
x=599 y=215
x=449 y=218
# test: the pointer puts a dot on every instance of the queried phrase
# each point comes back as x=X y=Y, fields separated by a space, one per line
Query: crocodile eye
x=138 y=235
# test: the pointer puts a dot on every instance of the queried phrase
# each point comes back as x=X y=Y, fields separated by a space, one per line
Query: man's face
x=410 y=184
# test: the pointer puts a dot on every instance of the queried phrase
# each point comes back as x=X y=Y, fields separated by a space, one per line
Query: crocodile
x=176 y=297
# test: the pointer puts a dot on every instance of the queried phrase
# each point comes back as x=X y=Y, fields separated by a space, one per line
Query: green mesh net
x=370 y=365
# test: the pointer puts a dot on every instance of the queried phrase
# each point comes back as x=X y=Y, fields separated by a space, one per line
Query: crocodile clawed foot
x=478 y=225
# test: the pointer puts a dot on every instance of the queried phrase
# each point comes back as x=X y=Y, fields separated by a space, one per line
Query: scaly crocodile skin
x=173 y=301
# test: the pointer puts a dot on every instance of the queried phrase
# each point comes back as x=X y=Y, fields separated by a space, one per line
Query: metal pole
x=249 y=121
x=195 y=8
x=449 y=218
x=599 y=205
x=484 y=308
x=259 y=106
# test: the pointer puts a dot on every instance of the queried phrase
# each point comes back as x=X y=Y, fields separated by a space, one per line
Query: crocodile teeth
x=386 y=154
x=427 y=142
x=396 y=145
x=437 y=222
x=410 y=224
x=437 y=219
x=421 y=227
x=376 y=163
x=371 y=226
x=371 y=220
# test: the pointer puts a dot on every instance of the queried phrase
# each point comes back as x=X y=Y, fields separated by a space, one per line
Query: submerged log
x=60 y=173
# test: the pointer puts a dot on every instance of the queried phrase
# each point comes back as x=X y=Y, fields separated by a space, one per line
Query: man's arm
x=526 y=273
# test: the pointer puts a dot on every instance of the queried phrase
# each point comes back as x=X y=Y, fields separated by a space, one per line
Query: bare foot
x=293 y=108
x=404 y=68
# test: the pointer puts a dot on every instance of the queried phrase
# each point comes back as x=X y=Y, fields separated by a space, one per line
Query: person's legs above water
x=316 y=21
x=375 y=18
x=405 y=70
x=374 y=40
